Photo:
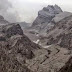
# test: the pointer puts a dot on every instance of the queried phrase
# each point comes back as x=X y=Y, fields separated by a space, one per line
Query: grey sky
x=28 y=9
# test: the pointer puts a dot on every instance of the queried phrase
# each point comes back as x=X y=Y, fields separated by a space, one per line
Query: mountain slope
x=45 y=16
x=15 y=48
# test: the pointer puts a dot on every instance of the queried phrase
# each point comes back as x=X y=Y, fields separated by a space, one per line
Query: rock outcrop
x=52 y=27
x=49 y=59
x=61 y=33
x=15 y=48
x=45 y=16
x=10 y=30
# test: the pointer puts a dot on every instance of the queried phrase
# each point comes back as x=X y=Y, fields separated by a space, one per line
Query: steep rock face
x=9 y=61
x=49 y=59
x=43 y=22
x=67 y=67
x=48 y=17
x=61 y=16
x=14 y=36
x=12 y=29
x=45 y=16
x=15 y=48
x=61 y=33
x=19 y=54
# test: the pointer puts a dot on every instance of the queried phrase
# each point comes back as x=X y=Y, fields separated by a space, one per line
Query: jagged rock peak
x=53 y=9
x=47 y=14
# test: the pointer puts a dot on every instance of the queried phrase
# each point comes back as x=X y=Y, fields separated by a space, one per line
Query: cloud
x=7 y=11
x=26 y=10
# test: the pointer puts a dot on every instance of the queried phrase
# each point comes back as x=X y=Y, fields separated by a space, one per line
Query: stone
x=12 y=29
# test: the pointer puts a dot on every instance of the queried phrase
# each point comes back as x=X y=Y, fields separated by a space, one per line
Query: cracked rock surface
x=15 y=48
x=19 y=54
x=50 y=59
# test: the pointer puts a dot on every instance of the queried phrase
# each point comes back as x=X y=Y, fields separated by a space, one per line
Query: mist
x=7 y=11
x=27 y=10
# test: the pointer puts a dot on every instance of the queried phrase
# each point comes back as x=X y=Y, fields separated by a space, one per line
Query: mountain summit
x=46 y=15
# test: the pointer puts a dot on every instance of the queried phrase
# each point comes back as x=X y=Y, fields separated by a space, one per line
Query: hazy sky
x=28 y=9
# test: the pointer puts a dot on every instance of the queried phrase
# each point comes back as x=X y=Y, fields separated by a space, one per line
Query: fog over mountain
x=26 y=10
x=7 y=11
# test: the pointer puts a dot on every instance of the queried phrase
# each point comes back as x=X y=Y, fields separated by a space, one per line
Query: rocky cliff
x=50 y=28
x=19 y=54
x=60 y=33
x=15 y=48
x=53 y=26
x=45 y=16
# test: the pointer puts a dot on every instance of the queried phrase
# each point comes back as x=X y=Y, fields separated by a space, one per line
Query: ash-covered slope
x=48 y=17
